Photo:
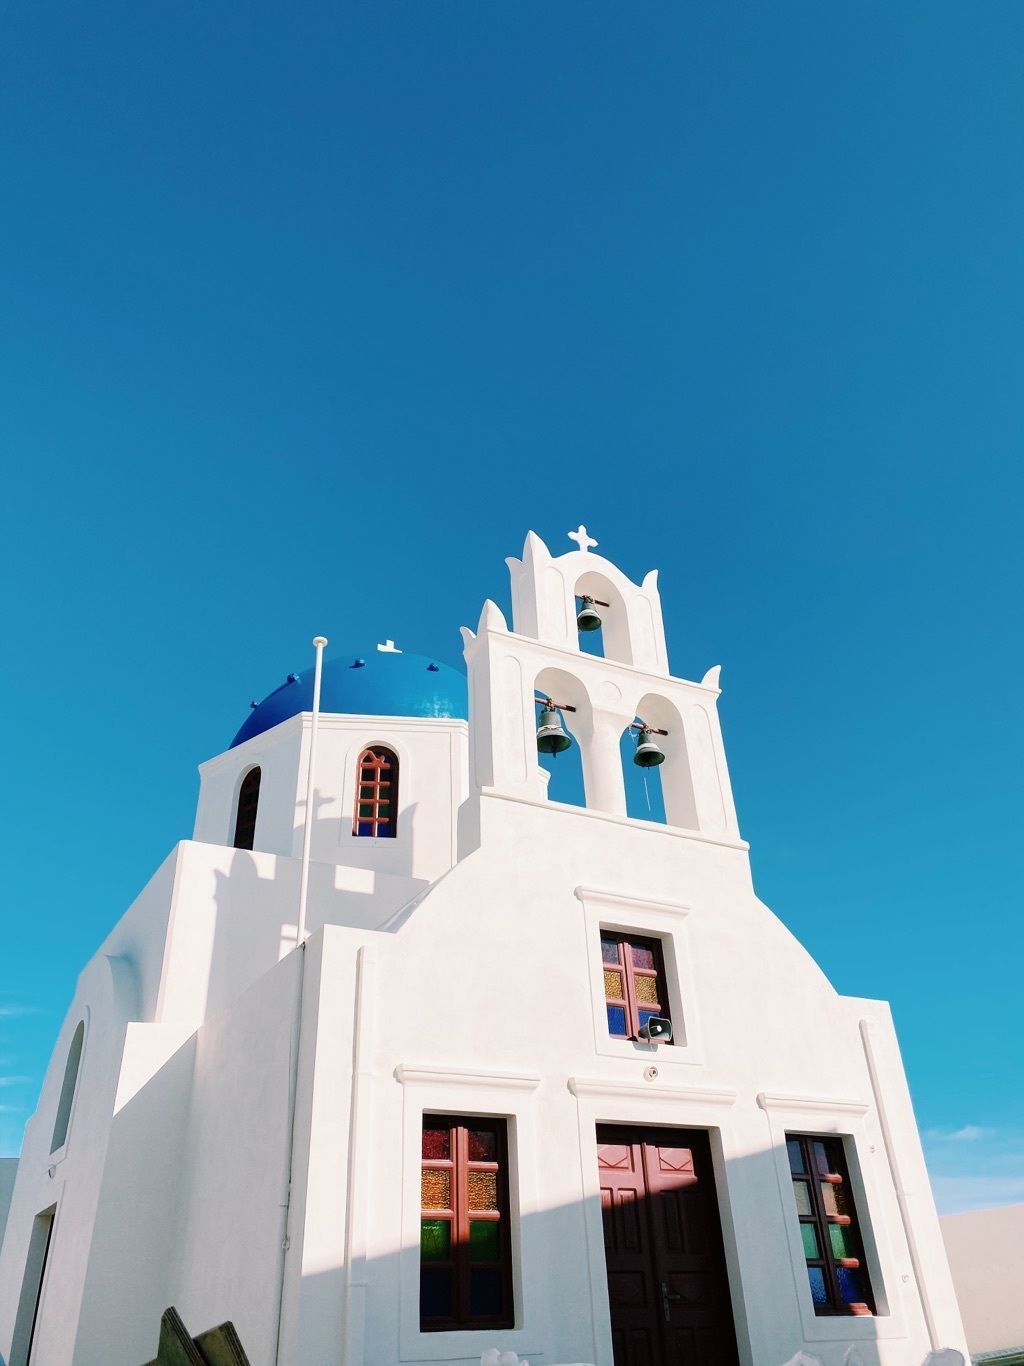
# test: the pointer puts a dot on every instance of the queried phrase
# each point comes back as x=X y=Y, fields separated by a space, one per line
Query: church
x=403 y=1058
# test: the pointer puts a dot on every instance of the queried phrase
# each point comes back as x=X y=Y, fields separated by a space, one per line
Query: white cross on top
x=581 y=538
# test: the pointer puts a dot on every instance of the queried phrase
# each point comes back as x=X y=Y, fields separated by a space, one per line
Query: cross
x=581 y=538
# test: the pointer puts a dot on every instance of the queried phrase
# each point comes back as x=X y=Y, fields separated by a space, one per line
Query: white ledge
x=653 y=827
x=696 y=1095
x=599 y=896
x=410 y=1075
x=775 y=1100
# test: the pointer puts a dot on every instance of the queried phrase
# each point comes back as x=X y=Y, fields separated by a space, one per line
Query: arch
x=246 y=808
x=375 y=812
x=68 y=1089
x=614 y=631
x=675 y=775
x=566 y=771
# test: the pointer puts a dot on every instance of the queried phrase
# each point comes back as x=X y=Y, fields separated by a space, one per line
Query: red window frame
x=829 y=1227
x=375 y=814
x=630 y=963
x=465 y=1270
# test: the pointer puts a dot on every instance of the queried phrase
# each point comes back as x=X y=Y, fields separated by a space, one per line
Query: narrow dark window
x=248 y=802
x=465 y=1248
x=376 y=810
x=634 y=982
x=30 y=1299
x=67 y=1090
x=829 y=1226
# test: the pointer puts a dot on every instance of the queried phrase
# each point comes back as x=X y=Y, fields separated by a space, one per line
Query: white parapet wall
x=986 y=1257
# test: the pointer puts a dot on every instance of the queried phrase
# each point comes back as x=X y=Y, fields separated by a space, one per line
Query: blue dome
x=376 y=683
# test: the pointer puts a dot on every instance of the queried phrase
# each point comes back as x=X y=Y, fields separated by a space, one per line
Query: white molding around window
x=694 y=1095
x=411 y=1075
x=774 y=1100
x=598 y=896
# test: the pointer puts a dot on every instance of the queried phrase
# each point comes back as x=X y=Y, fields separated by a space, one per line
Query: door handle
x=665 y=1299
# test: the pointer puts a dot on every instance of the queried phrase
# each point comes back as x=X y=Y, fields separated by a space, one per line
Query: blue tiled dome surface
x=384 y=683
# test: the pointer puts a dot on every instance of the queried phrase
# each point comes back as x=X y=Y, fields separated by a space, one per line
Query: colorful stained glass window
x=436 y=1142
x=483 y=1190
x=437 y=1192
x=831 y=1241
x=609 y=950
x=376 y=793
x=485 y=1294
x=817 y=1279
x=796 y=1156
x=465 y=1262
x=646 y=989
x=435 y=1240
x=435 y=1295
x=483 y=1145
x=484 y=1242
x=634 y=982
x=643 y=956
x=804 y=1204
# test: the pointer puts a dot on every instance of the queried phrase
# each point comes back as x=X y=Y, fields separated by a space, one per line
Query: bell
x=551 y=738
x=647 y=755
x=587 y=618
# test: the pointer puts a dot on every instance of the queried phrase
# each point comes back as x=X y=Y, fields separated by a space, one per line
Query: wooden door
x=667 y=1286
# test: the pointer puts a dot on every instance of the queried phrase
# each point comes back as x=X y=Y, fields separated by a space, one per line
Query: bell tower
x=540 y=656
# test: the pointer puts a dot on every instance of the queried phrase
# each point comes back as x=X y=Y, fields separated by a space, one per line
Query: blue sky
x=310 y=314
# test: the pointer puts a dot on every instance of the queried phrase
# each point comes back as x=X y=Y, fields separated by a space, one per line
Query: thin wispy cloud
x=961 y=1194
x=969 y=1133
x=12 y=1012
x=15 y=1081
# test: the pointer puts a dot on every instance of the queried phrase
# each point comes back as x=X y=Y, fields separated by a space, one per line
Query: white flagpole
x=319 y=642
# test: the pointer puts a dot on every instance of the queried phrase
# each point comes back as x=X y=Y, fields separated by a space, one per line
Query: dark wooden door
x=667 y=1284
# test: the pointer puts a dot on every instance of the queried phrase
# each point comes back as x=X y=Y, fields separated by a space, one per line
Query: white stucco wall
x=986 y=1257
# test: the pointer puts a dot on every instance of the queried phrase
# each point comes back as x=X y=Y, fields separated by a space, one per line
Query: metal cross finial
x=581 y=538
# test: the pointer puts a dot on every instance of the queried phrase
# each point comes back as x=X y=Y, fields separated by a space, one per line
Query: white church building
x=533 y=1075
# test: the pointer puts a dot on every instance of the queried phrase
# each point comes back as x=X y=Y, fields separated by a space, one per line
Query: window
x=465 y=1261
x=634 y=982
x=248 y=801
x=828 y=1226
x=376 y=811
x=29 y=1301
x=67 y=1090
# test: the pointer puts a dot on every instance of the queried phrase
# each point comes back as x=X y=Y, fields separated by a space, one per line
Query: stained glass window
x=634 y=982
x=376 y=804
x=831 y=1242
x=248 y=804
x=465 y=1263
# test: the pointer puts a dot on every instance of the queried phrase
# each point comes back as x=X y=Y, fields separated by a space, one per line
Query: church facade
x=539 y=1076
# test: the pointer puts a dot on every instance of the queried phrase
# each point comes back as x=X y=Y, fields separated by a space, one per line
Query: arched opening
x=375 y=814
x=68 y=1088
x=645 y=800
x=565 y=770
x=674 y=779
x=611 y=639
x=245 y=814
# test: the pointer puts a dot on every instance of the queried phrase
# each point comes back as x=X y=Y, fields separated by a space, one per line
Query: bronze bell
x=647 y=755
x=551 y=738
x=587 y=618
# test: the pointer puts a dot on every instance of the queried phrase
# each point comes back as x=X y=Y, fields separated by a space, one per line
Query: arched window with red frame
x=376 y=808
